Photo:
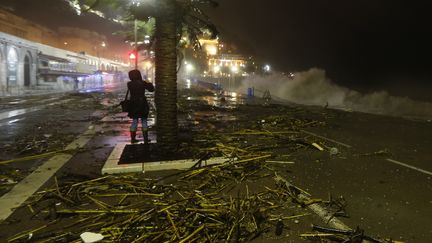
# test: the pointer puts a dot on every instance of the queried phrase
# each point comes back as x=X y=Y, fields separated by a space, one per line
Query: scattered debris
x=318 y=146
x=338 y=235
x=333 y=151
x=240 y=200
x=89 y=237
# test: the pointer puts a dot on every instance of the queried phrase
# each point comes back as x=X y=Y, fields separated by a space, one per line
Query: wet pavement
x=383 y=198
x=38 y=125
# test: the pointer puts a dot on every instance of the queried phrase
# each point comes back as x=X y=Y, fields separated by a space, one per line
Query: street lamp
x=103 y=45
x=137 y=3
x=136 y=42
x=189 y=68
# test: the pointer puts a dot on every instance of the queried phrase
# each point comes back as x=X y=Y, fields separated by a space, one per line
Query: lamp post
x=136 y=42
x=103 y=45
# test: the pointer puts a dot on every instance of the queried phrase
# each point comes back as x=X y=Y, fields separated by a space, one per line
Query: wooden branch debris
x=234 y=201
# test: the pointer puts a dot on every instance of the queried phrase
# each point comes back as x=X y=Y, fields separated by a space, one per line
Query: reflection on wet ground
x=226 y=99
x=6 y=103
x=15 y=102
x=18 y=112
x=13 y=113
x=212 y=116
x=11 y=121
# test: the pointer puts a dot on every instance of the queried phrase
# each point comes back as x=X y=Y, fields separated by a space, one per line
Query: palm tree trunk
x=166 y=76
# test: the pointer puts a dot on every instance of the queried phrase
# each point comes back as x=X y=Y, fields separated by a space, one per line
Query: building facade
x=18 y=66
x=34 y=57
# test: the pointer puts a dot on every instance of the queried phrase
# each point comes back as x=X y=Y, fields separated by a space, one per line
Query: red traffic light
x=132 y=56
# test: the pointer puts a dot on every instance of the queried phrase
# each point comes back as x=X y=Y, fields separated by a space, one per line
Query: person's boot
x=145 y=136
x=133 y=137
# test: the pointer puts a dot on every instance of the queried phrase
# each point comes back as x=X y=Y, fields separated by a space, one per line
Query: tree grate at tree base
x=144 y=153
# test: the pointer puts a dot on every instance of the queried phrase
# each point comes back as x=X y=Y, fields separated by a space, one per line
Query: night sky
x=366 y=45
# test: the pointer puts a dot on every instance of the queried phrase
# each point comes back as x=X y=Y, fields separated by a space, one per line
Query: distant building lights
x=234 y=69
x=211 y=50
x=216 y=69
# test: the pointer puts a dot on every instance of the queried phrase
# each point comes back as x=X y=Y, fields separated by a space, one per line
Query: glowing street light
x=267 y=68
x=189 y=68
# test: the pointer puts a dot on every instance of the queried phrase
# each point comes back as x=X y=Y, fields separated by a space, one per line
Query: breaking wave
x=312 y=87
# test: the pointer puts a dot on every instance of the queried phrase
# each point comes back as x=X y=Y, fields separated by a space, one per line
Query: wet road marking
x=29 y=185
x=410 y=166
x=18 y=112
x=11 y=121
x=328 y=139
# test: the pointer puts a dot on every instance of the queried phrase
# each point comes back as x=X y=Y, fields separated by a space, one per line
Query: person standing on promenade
x=139 y=108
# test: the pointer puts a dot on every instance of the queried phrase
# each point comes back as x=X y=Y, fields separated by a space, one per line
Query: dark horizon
x=363 y=45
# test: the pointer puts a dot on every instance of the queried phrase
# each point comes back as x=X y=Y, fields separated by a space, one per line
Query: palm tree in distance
x=144 y=28
x=173 y=19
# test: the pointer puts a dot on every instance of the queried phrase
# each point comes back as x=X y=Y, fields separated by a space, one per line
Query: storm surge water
x=312 y=87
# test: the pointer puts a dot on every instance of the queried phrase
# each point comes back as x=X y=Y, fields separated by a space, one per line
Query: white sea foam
x=312 y=87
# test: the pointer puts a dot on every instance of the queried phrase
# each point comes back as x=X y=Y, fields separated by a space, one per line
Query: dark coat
x=139 y=107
